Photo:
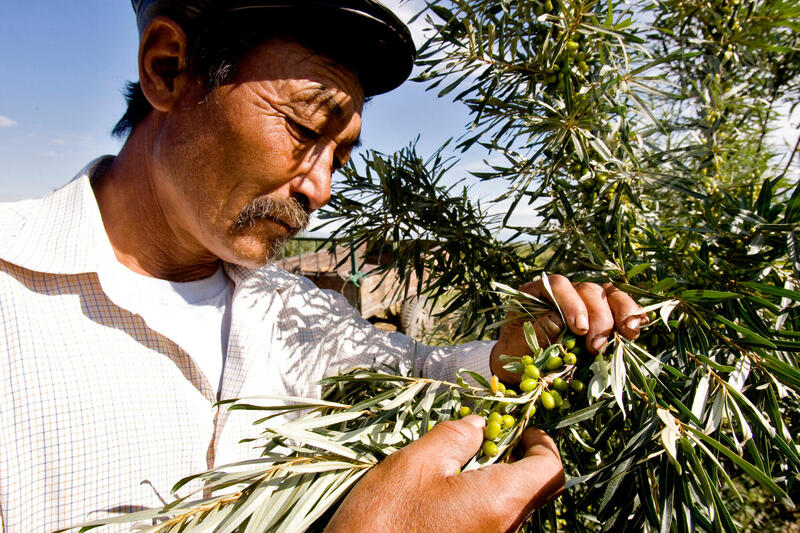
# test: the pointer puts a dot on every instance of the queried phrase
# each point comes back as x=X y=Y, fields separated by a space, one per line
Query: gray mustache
x=290 y=212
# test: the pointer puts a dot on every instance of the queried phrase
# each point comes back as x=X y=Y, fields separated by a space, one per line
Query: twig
x=791 y=157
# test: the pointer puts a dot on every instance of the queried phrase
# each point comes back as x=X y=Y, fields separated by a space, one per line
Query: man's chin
x=251 y=252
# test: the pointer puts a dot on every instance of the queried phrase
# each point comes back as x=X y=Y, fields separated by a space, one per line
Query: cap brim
x=363 y=34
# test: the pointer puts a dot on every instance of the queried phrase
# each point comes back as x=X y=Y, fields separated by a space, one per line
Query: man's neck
x=143 y=236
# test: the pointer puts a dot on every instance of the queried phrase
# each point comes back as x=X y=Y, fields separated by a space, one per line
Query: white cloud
x=58 y=142
x=6 y=122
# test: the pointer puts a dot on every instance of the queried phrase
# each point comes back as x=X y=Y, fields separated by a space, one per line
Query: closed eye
x=303 y=131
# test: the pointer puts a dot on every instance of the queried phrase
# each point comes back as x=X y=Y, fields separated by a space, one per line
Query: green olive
x=547 y=400
x=532 y=372
x=508 y=421
x=559 y=384
x=526 y=360
x=569 y=343
x=464 y=411
x=501 y=386
x=527 y=385
x=570 y=358
x=489 y=448
x=553 y=362
x=572 y=47
x=492 y=431
x=548 y=6
x=557 y=399
x=511 y=393
x=496 y=417
x=577 y=385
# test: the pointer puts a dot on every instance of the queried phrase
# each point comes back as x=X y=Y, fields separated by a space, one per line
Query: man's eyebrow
x=323 y=97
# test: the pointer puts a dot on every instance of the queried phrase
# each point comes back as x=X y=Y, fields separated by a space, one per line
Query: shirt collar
x=63 y=233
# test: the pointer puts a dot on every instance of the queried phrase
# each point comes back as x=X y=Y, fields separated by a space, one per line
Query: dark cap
x=363 y=34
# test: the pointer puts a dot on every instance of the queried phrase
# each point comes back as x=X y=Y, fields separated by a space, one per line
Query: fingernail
x=581 y=322
x=551 y=327
x=633 y=323
x=598 y=342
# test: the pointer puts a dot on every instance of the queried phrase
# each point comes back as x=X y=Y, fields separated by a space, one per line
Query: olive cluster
x=554 y=378
x=556 y=388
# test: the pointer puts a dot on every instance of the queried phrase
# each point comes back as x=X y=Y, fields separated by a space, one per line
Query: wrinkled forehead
x=305 y=76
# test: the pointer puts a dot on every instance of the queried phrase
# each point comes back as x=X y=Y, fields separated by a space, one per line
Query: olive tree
x=639 y=133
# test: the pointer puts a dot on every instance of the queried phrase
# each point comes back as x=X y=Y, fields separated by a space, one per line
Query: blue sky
x=63 y=66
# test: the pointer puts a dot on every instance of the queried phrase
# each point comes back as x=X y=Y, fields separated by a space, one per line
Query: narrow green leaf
x=749 y=334
x=702 y=294
x=477 y=377
x=530 y=337
x=771 y=289
x=760 y=477
x=638 y=269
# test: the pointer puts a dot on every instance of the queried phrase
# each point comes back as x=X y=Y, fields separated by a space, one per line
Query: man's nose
x=315 y=183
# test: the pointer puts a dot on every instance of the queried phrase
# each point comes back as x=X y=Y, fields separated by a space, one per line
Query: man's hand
x=589 y=309
x=420 y=489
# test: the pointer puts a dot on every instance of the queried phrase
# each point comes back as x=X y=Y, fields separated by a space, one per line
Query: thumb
x=448 y=446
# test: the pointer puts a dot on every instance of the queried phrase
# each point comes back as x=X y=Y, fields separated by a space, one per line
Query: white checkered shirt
x=101 y=413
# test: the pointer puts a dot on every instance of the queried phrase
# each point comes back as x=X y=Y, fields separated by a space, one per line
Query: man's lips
x=280 y=222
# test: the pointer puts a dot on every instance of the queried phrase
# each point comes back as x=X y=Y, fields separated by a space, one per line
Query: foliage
x=399 y=202
x=309 y=463
x=639 y=135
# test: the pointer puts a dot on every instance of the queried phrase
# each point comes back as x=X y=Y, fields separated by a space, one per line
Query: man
x=140 y=293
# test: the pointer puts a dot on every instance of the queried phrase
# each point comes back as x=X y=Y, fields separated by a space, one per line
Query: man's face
x=239 y=170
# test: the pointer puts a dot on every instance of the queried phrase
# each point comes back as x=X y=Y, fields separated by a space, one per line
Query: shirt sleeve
x=357 y=343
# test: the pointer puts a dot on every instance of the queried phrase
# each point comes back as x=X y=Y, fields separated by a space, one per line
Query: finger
x=542 y=336
x=567 y=299
x=447 y=447
x=626 y=311
x=530 y=482
x=547 y=327
x=601 y=320
x=534 y=440
x=538 y=444
x=550 y=326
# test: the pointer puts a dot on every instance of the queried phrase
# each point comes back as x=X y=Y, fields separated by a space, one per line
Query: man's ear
x=162 y=63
